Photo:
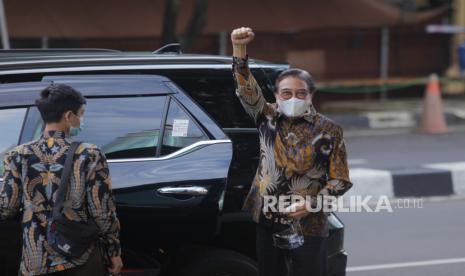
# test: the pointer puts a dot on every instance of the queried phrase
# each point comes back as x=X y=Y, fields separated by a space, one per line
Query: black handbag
x=67 y=237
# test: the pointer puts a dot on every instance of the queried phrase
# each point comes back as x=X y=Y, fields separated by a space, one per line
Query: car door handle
x=183 y=190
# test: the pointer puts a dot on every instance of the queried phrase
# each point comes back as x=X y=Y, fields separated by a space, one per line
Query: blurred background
x=358 y=49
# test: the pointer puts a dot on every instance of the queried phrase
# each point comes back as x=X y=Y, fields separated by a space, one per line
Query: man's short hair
x=296 y=73
x=57 y=99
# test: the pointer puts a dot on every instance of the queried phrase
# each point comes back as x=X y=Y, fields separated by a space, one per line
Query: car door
x=11 y=121
x=168 y=161
x=15 y=104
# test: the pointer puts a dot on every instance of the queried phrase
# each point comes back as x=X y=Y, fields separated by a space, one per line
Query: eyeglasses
x=287 y=94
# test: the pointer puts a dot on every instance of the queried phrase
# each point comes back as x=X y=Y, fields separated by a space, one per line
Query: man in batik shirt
x=31 y=180
x=302 y=153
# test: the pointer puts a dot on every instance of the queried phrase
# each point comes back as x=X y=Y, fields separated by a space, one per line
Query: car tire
x=219 y=262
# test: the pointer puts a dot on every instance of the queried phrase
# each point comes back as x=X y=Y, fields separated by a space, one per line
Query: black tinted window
x=11 y=121
x=123 y=127
x=214 y=90
x=180 y=130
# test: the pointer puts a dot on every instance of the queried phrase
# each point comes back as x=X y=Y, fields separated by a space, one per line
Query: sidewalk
x=352 y=115
x=400 y=162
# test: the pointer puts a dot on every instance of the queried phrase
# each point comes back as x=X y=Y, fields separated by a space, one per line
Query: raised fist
x=242 y=36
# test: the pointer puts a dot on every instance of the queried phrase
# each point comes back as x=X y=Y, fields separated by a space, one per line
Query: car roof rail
x=57 y=50
x=172 y=48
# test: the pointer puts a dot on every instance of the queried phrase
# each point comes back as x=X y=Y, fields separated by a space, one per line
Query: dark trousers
x=93 y=267
x=308 y=260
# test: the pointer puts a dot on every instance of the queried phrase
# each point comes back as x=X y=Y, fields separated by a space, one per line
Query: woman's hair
x=57 y=99
x=296 y=73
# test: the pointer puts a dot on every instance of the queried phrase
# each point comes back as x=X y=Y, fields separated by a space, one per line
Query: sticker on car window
x=180 y=127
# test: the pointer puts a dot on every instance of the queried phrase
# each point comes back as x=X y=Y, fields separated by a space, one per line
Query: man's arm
x=11 y=192
x=338 y=170
x=247 y=88
x=101 y=202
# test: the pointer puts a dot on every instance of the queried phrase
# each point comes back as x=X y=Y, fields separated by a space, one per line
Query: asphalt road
x=411 y=242
x=396 y=149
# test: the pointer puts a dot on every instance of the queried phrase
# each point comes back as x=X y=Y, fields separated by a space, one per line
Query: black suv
x=182 y=153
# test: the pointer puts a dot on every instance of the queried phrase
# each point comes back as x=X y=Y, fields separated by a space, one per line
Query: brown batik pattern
x=31 y=179
x=306 y=156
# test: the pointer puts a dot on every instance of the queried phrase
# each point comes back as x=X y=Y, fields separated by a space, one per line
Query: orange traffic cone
x=433 y=120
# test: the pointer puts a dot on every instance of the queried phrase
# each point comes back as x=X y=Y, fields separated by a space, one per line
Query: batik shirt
x=31 y=180
x=304 y=156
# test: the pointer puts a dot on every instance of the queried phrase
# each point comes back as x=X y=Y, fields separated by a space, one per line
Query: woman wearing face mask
x=302 y=153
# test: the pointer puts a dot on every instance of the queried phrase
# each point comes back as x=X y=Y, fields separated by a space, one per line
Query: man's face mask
x=74 y=130
x=293 y=107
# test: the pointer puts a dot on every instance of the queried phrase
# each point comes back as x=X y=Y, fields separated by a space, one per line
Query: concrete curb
x=442 y=179
x=391 y=119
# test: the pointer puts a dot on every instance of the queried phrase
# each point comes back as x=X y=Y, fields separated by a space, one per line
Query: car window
x=212 y=88
x=180 y=130
x=11 y=121
x=123 y=127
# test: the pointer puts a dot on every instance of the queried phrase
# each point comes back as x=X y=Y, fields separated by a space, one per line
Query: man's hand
x=240 y=37
x=300 y=211
x=116 y=265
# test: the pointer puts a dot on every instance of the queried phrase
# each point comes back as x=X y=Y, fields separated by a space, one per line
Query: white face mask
x=293 y=107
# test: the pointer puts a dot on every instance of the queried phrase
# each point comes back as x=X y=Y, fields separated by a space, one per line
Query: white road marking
x=406 y=264
x=357 y=161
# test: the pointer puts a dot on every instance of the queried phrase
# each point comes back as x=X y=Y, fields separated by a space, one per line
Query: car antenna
x=172 y=48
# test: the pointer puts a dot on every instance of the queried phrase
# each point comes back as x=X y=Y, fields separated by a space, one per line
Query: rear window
x=214 y=91
x=180 y=130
